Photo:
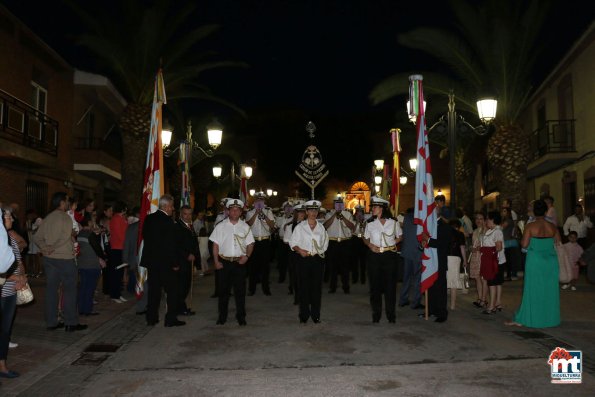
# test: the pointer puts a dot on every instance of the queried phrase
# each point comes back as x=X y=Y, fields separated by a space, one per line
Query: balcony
x=25 y=125
x=552 y=146
x=96 y=159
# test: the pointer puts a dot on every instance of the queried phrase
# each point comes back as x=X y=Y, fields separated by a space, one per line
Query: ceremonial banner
x=153 y=182
x=312 y=170
x=424 y=212
x=395 y=177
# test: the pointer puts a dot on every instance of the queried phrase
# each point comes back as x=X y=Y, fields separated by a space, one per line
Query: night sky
x=309 y=60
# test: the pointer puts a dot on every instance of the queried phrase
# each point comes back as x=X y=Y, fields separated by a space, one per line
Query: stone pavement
x=472 y=354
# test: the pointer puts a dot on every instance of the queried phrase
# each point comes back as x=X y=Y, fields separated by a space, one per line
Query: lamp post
x=486 y=108
x=214 y=136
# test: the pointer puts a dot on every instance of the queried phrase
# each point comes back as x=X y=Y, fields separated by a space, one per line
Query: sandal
x=489 y=311
x=511 y=323
x=479 y=303
x=498 y=308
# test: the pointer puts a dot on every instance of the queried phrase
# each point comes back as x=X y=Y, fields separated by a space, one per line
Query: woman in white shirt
x=310 y=241
x=382 y=235
x=493 y=237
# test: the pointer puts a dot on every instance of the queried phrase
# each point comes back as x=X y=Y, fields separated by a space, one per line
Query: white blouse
x=383 y=235
x=314 y=241
x=490 y=238
x=232 y=239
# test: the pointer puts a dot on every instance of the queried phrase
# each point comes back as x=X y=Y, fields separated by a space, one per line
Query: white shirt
x=288 y=231
x=6 y=254
x=314 y=241
x=260 y=227
x=338 y=229
x=580 y=227
x=232 y=239
x=490 y=238
x=198 y=224
x=280 y=222
x=220 y=216
x=383 y=235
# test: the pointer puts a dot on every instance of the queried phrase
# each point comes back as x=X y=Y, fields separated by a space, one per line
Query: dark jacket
x=410 y=245
x=90 y=250
x=187 y=242
x=159 y=242
x=442 y=243
x=129 y=252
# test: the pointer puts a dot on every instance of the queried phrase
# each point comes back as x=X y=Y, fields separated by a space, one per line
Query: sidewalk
x=470 y=355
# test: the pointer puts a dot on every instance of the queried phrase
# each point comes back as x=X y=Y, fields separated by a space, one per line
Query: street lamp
x=377 y=188
x=275 y=193
x=486 y=109
x=269 y=192
x=403 y=180
x=217 y=170
x=252 y=192
x=379 y=164
x=377 y=179
x=247 y=171
x=214 y=135
x=413 y=164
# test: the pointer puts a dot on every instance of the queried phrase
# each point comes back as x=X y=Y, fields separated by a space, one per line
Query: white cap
x=379 y=201
x=312 y=204
x=260 y=195
x=234 y=203
x=299 y=207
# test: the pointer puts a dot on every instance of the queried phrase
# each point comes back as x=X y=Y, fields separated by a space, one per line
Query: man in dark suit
x=437 y=293
x=160 y=257
x=411 y=255
x=188 y=252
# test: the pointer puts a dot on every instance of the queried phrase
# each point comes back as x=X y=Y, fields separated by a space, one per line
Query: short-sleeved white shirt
x=489 y=239
x=232 y=239
x=383 y=235
x=280 y=222
x=314 y=241
x=260 y=227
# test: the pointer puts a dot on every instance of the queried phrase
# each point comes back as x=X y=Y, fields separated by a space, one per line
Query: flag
x=424 y=212
x=153 y=182
x=395 y=177
x=244 y=190
x=184 y=163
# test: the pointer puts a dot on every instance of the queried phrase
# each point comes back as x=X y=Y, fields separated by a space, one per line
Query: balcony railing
x=555 y=136
x=22 y=123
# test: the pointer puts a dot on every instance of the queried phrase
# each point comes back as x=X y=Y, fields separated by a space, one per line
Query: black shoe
x=151 y=323
x=220 y=321
x=332 y=291
x=141 y=313
x=392 y=320
x=440 y=319
x=316 y=320
x=92 y=314
x=72 y=328
x=302 y=321
x=418 y=306
x=214 y=296
x=251 y=293
x=59 y=325
x=188 y=312
x=267 y=293
x=175 y=323
x=346 y=291
x=242 y=323
x=375 y=319
x=403 y=304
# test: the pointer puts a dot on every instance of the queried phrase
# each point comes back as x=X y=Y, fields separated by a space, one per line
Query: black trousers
x=358 y=267
x=437 y=294
x=382 y=268
x=231 y=276
x=292 y=258
x=115 y=275
x=184 y=281
x=159 y=279
x=339 y=260
x=310 y=271
x=282 y=255
x=258 y=266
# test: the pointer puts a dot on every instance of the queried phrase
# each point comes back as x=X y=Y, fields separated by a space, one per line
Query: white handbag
x=24 y=295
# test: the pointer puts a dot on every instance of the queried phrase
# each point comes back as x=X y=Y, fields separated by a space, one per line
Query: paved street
x=472 y=354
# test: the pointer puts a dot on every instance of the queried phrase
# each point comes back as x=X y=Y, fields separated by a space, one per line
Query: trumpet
x=261 y=216
x=339 y=215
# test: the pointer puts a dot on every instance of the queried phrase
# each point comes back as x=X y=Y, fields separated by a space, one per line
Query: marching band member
x=233 y=245
x=339 y=226
x=284 y=217
x=381 y=236
x=359 y=249
x=262 y=222
x=310 y=240
x=299 y=214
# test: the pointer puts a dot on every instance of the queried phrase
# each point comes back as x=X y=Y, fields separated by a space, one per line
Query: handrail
x=555 y=136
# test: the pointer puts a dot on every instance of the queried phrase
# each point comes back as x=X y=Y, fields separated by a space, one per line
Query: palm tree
x=130 y=44
x=492 y=47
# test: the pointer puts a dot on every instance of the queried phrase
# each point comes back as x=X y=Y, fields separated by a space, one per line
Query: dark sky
x=309 y=60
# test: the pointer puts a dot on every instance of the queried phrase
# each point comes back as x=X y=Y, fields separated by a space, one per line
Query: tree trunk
x=508 y=158
x=135 y=125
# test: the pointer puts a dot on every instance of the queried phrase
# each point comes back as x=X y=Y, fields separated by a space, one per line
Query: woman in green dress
x=540 y=307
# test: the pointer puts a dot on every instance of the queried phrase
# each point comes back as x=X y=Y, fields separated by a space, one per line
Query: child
x=574 y=252
x=203 y=245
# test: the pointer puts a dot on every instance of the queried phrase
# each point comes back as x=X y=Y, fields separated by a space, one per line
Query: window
x=37 y=197
x=39 y=97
